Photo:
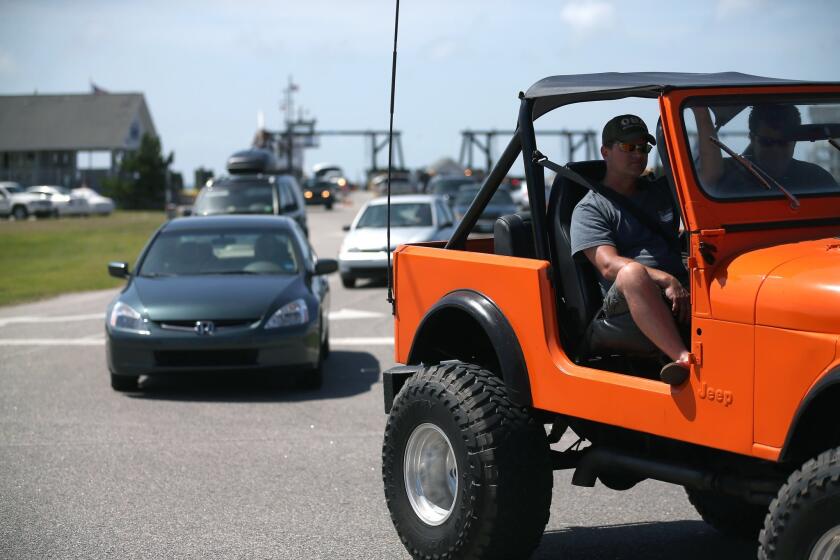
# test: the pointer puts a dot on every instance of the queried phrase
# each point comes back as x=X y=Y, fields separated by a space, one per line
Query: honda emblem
x=205 y=327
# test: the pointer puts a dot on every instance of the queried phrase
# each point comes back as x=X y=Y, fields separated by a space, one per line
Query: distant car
x=414 y=218
x=252 y=194
x=320 y=192
x=5 y=205
x=221 y=293
x=517 y=187
x=500 y=205
x=24 y=204
x=448 y=186
x=99 y=205
x=63 y=201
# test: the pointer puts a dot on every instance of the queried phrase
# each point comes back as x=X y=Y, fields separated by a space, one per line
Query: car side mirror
x=118 y=269
x=446 y=225
x=326 y=266
x=345 y=227
x=186 y=212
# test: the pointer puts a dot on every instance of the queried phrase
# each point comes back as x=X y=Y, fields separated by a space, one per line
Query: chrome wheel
x=828 y=547
x=431 y=474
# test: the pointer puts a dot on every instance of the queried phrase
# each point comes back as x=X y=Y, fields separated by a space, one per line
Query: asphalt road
x=245 y=467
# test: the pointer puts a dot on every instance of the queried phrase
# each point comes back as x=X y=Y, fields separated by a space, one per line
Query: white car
x=5 y=205
x=24 y=204
x=64 y=204
x=414 y=218
x=100 y=205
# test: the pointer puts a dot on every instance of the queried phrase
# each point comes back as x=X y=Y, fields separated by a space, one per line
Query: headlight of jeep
x=126 y=318
x=293 y=313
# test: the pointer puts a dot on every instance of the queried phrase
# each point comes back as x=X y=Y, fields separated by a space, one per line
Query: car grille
x=206 y=358
x=221 y=325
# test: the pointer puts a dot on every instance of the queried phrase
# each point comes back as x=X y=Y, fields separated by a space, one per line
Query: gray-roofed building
x=43 y=137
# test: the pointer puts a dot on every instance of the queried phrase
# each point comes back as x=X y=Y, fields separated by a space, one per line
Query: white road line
x=359 y=341
x=51 y=342
x=363 y=341
x=56 y=319
x=349 y=314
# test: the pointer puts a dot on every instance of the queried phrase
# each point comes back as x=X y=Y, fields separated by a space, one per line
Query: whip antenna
x=390 y=154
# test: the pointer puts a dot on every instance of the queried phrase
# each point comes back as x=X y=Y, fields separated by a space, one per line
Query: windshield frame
x=747 y=100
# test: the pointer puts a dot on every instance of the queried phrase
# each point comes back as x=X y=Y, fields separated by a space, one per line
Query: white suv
x=24 y=204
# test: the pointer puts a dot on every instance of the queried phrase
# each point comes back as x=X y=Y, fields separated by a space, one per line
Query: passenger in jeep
x=638 y=264
x=771 y=131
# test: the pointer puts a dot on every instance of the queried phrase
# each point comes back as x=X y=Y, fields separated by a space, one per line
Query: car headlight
x=293 y=313
x=126 y=318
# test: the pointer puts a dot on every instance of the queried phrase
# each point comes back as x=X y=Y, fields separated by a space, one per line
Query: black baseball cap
x=625 y=128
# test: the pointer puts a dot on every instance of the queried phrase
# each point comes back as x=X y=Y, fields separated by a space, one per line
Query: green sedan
x=221 y=293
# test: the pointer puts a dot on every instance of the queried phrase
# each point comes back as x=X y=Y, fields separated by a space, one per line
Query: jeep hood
x=793 y=286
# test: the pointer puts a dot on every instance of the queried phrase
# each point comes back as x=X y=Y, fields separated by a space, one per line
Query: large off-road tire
x=124 y=382
x=804 y=519
x=467 y=472
x=728 y=514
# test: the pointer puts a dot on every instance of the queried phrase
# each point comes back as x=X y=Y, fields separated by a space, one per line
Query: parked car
x=414 y=219
x=448 y=186
x=320 y=192
x=100 y=205
x=252 y=194
x=64 y=203
x=5 y=205
x=500 y=205
x=176 y=313
x=24 y=204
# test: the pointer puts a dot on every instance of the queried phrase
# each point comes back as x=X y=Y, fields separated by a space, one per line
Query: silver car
x=414 y=219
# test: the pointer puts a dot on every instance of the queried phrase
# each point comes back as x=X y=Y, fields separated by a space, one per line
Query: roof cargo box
x=253 y=161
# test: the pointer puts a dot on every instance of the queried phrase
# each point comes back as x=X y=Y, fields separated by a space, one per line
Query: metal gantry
x=572 y=140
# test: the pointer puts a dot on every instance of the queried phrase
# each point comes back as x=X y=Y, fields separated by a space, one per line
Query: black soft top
x=555 y=91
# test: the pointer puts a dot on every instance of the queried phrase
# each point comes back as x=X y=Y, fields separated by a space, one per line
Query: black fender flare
x=495 y=325
x=827 y=382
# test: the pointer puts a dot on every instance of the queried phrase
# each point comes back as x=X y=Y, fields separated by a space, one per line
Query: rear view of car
x=252 y=194
x=320 y=192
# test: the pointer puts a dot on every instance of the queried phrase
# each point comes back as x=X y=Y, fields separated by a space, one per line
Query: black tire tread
x=512 y=522
x=817 y=477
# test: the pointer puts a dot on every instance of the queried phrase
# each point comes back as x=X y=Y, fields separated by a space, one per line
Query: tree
x=141 y=182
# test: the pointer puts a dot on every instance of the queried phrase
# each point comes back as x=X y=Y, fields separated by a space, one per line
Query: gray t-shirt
x=597 y=221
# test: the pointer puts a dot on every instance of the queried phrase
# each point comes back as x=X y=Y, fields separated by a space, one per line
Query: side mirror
x=186 y=212
x=345 y=227
x=326 y=266
x=445 y=225
x=118 y=269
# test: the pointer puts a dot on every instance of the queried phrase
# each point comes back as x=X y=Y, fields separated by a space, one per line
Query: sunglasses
x=770 y=142
x=627 y=147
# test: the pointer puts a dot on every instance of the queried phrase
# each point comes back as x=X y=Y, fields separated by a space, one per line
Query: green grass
x=43 y=258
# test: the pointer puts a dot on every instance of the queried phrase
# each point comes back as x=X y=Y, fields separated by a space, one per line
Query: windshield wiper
x=763 y=177
x=227 y=272
x=155 y=274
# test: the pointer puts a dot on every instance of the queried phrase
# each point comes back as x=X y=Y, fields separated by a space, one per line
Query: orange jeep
x=500 y=336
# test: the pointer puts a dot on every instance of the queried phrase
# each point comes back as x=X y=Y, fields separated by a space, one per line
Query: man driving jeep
x=772 y=130
x=640 y=265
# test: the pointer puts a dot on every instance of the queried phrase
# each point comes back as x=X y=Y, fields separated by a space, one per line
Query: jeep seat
x=586 y=334
x=512 y=236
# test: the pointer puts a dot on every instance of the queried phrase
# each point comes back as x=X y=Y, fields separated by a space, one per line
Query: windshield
x=192 y=253
x=416 y=214
x=247 y=198
x=785 y=142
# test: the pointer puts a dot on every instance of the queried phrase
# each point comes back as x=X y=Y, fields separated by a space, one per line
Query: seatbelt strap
x=618 y=199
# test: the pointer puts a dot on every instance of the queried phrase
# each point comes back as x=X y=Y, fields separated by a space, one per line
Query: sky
x=209 y=68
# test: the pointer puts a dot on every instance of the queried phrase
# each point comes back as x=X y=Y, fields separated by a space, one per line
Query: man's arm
x=608 y=262
x=710 y=168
